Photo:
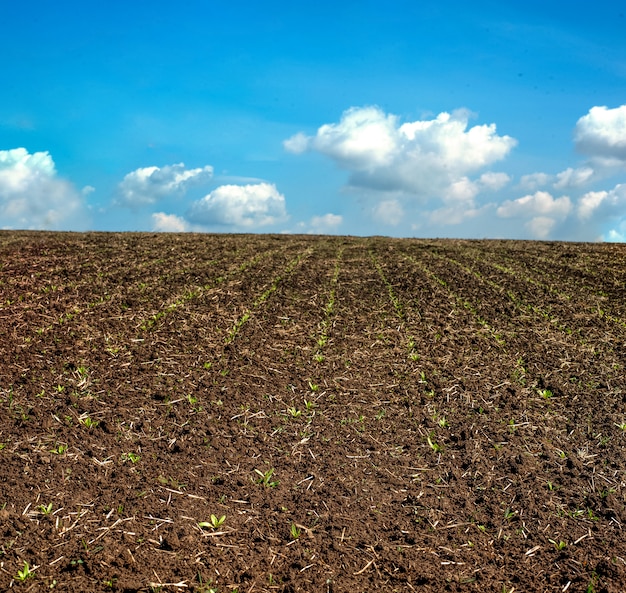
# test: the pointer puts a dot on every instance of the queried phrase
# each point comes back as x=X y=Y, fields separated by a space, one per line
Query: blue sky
x=416 y=119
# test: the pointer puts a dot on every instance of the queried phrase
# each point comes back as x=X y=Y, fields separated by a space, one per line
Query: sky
x=408 y=119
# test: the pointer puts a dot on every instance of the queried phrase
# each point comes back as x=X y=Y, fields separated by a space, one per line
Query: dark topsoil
x=327 y=414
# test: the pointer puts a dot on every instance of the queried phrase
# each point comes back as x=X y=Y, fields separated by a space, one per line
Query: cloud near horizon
x=542 y=210
x=240 y=206
x=33 y=196
x=423 y=159
x=148 y=185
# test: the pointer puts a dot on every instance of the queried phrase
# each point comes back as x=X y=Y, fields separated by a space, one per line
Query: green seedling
x=546 y=393
x=318 y=357
x=295 y=531
x=560 y=545
x=132 y=457
x=59 y=449
x=509 y=514
x=214 y=522
x=313 y=387
x=621 y=426
x=45 y=509
x=436 y=447
x=26 y=573
x=294 y=412
x=89 y=422
x=309 y=405
x=265 y=478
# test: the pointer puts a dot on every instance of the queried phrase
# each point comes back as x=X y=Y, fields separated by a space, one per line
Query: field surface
x=318 y=414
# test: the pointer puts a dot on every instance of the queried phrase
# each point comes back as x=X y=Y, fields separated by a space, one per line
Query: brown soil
x=364 y=414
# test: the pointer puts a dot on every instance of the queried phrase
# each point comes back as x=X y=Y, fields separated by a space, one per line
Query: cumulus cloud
x=328 y=223
x=534 y=181
x=572 y=178
x=602 y=205
x=452 y=215
x=423 y=158
x=617 y=235
x=244 y=206
x=493 y=181
x=389 y=212
x=148 y=185
x=168 y=223
x=602 y=133
x=540 y=202
x=540 y=226
x=32 y=196
x=543 y=210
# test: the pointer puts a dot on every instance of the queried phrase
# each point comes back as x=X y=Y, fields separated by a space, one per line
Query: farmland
x=294 y=413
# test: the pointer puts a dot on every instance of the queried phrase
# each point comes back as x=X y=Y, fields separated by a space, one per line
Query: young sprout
x=560 y=545
x=509 y=514
x=214 y=522
x=45 y=509
x=89 y=422
x=295 y=531
x=546 y=393
x=313 y=387
x=265 y=478
x=294 y=412
x=26 y=573
x=59 y=449
x=437 y=448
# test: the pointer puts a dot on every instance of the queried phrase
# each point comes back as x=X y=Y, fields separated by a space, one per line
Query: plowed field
x=319 y=414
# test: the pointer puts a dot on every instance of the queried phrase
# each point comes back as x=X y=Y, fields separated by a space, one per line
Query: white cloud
x=297 y=144
x=572 y=178
x=424 y=158
x=602 y=205
x=602 y=133
x=589 y=203
x=543 y=210
x=493 y=181
x=616 y=235
x=540 y=226
x=168 y=223
x=32 y=196
x=539 y=203
x=452 y=215
x=328 y=223
x=389 y=212
x=244 y=206
x=534 y=181
x=148 y=185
